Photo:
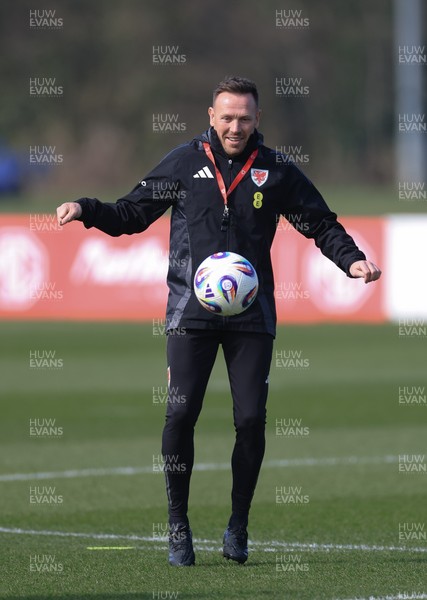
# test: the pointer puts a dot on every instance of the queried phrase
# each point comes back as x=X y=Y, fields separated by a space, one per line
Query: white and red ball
x=226 y=284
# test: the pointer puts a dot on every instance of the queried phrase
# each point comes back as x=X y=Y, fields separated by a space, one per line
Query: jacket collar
x=211 y=136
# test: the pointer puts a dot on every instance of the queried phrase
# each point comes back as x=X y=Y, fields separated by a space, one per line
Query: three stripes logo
x=204 y=173
x=208 y=292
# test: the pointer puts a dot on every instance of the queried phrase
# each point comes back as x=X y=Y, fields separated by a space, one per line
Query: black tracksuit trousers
x=191 y=357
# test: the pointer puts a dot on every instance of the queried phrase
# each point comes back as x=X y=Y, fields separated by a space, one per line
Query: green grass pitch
x=353 y=523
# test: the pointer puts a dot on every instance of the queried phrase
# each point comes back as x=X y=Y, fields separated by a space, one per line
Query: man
x=230 y=190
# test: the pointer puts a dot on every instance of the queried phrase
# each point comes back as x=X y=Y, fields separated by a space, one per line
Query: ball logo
x=249 y=298
x=228 y=287
x=208 y=292
x=244 y=267
x=201 y=276
x=24 y=266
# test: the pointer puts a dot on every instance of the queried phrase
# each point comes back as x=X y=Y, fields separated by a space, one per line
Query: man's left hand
x=366 y=269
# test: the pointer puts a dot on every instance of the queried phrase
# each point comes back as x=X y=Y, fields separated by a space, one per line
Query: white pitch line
x=212 y=545
x=400 y=596
x=268 y=464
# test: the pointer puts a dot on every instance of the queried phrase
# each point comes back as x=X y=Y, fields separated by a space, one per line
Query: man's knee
x=180 y=416
x=254 y=424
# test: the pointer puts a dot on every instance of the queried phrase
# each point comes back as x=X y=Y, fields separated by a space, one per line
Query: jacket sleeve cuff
x=88 y=213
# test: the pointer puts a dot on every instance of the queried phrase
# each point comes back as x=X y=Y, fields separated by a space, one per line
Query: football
x=226 y=284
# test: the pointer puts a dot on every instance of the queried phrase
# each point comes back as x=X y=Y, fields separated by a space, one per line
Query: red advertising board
x=310 y=288
x=50 y=272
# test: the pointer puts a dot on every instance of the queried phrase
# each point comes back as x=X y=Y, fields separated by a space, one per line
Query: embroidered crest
x=259 y=176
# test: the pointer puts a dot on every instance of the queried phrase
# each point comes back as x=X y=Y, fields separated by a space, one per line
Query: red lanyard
x=225 y=193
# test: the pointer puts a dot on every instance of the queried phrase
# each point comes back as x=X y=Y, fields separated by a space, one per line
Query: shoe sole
x=241 y=561
x=186 y=564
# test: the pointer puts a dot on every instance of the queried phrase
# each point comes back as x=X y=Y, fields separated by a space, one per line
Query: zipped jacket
x=185 y=180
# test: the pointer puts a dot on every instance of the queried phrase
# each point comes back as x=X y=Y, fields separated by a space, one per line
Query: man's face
x=234 y=118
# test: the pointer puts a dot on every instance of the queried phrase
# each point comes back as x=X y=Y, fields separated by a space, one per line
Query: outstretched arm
x=304 y=201
x=134 y=212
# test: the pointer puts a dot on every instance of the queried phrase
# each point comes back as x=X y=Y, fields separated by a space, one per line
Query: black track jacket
x=185 y=180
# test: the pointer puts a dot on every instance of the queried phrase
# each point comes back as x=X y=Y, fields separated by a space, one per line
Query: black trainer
x=181 y=553
x=236 y=544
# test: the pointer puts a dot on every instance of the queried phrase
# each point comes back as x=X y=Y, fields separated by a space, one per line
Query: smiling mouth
x=234 y=139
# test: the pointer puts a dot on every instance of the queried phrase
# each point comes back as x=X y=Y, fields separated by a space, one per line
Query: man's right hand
x=68 y=212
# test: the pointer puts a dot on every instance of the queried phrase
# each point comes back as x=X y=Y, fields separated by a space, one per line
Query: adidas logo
x=203 y=174
x=209 y=293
